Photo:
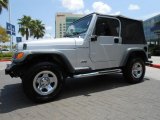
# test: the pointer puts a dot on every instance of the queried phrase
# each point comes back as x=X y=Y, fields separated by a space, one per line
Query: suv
x=94 y=45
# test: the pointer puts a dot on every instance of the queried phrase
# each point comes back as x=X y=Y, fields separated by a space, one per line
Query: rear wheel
x=43 y=82
x=134 y=71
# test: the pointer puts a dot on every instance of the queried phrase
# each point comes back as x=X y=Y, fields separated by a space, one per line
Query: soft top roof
x=116 y=16
x=131 y=30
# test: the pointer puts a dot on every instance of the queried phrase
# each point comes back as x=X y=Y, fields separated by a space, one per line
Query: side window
x=107 y=27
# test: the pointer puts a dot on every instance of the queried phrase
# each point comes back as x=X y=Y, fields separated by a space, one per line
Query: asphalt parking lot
x=106 y=97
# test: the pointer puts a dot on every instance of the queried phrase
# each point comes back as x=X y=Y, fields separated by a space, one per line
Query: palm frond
x=3 y=4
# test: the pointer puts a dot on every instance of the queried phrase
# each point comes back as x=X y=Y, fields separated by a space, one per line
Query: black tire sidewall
x=30 y=75
x=128 y=71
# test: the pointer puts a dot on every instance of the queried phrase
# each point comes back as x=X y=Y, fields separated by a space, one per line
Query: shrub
x=10 y=54
x=6 y=55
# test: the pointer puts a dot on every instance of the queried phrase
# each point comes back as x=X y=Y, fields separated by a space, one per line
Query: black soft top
x=131 y=30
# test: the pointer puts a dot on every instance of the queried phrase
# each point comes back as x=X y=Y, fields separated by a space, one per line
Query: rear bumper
x=13 y=70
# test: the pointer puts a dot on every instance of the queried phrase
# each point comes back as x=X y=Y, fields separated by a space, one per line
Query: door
x=106 y=41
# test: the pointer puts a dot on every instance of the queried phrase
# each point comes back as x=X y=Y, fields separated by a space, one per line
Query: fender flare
x=29 y=55
x=131 y=51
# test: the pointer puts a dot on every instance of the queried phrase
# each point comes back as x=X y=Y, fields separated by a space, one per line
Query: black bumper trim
x=11 y=70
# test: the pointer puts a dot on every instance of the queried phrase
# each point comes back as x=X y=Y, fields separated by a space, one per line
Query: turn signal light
x=20 y=55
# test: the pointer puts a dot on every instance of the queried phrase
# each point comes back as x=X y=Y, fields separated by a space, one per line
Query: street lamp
x=9 y=19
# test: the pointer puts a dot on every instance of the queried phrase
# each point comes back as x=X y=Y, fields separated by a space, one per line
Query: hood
x=58 y=43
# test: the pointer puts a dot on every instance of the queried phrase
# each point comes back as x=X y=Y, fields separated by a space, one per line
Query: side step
x=98 y=73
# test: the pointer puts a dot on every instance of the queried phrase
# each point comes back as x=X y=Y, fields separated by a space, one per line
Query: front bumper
x=13 y=70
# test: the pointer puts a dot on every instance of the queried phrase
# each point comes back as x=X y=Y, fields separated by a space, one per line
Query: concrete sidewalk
x=3 y=65
x=155 y=59
x=106 y=97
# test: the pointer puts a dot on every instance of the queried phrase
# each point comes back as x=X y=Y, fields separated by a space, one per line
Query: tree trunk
x=26 y=37
x=27 y=34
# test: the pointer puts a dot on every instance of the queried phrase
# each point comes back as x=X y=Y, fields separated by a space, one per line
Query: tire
x=134 y=71
x=43 y=82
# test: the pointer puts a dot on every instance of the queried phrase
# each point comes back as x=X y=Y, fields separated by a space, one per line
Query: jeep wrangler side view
x=94 y=45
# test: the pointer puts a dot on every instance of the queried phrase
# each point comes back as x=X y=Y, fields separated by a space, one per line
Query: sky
x=45 y=10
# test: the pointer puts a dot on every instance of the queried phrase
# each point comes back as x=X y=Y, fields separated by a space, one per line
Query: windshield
x=79 y=27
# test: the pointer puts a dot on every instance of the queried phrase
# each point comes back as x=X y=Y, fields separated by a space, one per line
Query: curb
x=155 y=66
x=5 y=60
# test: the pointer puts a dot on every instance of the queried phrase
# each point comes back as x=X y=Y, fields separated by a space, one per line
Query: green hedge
x=6 y=55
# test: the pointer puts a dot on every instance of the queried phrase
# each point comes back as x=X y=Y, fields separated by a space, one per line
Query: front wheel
x=134 y=71
x=43 y=82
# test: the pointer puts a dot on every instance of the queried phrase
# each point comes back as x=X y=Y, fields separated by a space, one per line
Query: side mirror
x=94 y=38
x=116 y=40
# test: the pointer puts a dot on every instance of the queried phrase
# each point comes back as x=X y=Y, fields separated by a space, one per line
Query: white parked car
x=5 y=50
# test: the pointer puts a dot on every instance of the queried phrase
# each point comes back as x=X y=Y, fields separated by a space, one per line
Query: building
x=63 y=20
x=152 y=29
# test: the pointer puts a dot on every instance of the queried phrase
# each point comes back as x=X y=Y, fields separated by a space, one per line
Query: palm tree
x=38 y=29
x=29 y=27
x=3 y=4
x=24 y=26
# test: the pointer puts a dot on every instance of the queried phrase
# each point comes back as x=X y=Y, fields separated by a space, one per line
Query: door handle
x=116 y=40
x=94 y=38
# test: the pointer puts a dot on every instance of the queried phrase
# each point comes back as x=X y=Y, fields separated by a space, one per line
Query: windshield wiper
x=77 y=33
x=67 y=35
x=73 y=34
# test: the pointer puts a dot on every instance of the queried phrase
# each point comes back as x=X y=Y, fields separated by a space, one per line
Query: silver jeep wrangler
x=95 y=44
